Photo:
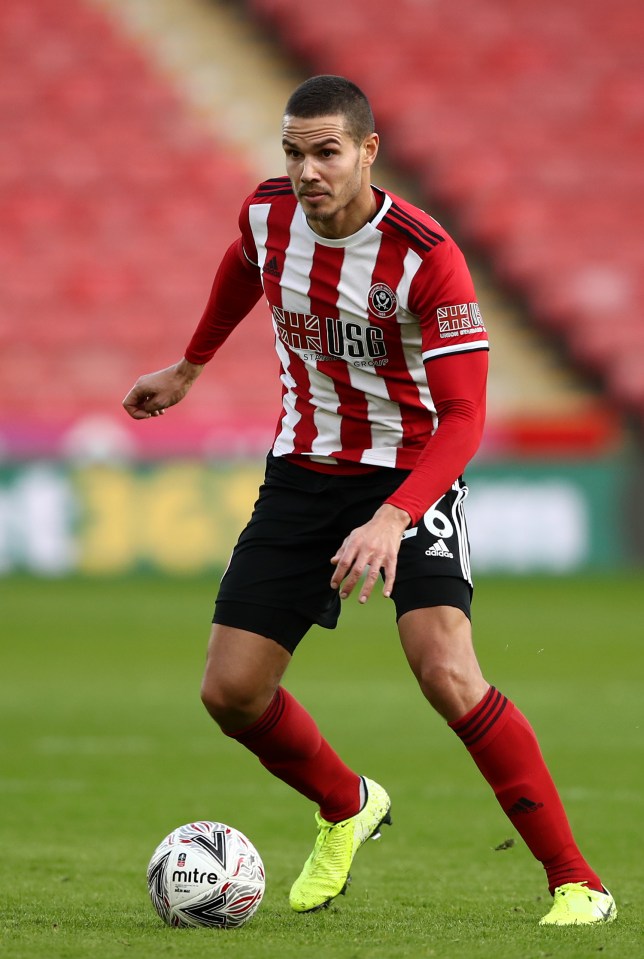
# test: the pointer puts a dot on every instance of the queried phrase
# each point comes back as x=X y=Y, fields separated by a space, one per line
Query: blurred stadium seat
x=116 y=206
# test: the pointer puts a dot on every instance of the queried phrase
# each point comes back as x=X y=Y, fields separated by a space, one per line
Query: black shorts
x=277 y=580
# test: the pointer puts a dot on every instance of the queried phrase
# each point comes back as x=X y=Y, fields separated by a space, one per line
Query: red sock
x=505 y=748
x=287 y=741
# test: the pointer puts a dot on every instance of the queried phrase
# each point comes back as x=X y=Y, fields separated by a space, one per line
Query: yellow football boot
x=326 y=872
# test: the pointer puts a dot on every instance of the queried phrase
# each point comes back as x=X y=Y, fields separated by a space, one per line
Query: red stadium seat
x=116 y=207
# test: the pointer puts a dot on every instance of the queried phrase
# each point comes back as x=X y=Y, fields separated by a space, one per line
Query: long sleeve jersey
x=381 y=343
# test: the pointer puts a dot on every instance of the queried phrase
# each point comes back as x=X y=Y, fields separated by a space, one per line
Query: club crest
x=383 y=302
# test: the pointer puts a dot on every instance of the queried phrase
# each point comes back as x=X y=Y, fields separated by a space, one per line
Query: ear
x=370 y=148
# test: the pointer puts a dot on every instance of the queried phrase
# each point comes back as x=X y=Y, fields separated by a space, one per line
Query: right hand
x=153 y=393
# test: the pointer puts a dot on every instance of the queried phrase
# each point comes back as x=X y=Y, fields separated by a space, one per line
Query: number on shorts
x=437 y=523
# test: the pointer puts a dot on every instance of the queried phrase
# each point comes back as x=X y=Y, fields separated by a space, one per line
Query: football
x=206 y=874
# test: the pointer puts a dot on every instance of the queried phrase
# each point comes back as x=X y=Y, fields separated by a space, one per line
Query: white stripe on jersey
x=297 y=264
x=412 y=335
x=258 y=217
x=295 y=297
x=285 y=442
x=325 y=417
x=384 y=418
x=457 y=348
x=355 y=277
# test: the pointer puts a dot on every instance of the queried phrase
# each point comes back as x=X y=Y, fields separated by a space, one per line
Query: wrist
x=188 y=371
x=395 y=515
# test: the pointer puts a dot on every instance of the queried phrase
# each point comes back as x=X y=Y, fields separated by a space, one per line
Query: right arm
x=153 y=393
x=236 y=289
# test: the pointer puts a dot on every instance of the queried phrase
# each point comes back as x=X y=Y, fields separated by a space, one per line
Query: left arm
x=457 y=383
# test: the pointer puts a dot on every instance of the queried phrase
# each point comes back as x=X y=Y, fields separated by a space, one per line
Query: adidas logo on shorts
x=439 y=549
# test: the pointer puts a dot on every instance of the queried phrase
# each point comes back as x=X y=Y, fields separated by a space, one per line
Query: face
x=330 y=173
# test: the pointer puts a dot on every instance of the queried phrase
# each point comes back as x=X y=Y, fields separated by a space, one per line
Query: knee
x=448 y=686
x=217 y=697
x=233 y=702
x=242 y=673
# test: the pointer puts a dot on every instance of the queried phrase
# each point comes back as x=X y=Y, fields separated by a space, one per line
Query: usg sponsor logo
x=331 y=338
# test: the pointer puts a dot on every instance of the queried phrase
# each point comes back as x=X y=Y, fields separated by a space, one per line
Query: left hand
x=374 y=545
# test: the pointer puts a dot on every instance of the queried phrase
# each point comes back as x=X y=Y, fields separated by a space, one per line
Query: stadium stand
x=116 y=207
x=120 y=182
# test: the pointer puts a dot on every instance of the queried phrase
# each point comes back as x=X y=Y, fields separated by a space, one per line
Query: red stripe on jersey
x=402 y=389
x=355 y=432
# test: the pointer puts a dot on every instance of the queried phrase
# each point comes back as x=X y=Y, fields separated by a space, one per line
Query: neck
x=347 y=221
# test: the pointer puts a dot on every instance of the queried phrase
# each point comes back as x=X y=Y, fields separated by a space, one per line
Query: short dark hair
x=328 y=95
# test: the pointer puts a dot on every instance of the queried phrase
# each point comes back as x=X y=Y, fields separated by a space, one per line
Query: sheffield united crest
x=383 y=302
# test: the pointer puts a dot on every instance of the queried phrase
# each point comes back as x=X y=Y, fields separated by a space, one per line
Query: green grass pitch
x=105 y=747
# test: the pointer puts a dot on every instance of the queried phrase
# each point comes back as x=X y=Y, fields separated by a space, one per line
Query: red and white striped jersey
x=381 y=343
x=355 y=320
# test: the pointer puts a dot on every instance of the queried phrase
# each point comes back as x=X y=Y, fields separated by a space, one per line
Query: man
x=383 y=358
